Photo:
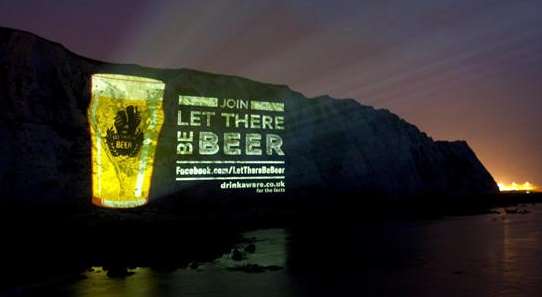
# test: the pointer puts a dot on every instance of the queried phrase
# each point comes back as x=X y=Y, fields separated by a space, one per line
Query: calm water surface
x=482 y=255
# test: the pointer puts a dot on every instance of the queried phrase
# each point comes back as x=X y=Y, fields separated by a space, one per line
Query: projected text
x=225 y=139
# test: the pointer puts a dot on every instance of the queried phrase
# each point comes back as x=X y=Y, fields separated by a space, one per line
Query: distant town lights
x=525 y=187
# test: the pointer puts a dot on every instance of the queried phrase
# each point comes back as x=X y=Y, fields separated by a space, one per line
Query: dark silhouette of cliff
x=333 y=146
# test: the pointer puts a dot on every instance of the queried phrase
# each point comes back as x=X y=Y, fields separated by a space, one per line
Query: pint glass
x=125 y=117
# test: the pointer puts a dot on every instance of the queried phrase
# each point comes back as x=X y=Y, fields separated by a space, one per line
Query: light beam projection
x=125 y=117
x=237 y=142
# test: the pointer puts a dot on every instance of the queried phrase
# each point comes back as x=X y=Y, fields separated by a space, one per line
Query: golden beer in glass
x=125 y=117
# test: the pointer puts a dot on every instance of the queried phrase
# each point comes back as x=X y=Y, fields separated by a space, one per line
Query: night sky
x=458 y=69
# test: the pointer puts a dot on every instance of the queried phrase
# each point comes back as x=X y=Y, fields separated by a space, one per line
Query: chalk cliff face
x=336 y=146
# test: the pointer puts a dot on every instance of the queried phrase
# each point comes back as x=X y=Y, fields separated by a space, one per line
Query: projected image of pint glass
x=125 y=116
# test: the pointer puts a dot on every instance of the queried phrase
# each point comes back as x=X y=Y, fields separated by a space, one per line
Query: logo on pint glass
x=125 y=138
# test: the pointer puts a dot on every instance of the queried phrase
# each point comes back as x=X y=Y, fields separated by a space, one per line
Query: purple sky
x=458 y=69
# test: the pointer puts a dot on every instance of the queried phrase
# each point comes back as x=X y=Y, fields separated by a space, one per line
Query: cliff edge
x=333 y=146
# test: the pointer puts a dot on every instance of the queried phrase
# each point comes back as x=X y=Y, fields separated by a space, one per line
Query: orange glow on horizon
x=525 y=187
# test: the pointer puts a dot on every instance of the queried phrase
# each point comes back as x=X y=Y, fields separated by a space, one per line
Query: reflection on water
x=483 y=255
x=212 y=279
x=141 y=284
x=521 y=269
x=270 y=249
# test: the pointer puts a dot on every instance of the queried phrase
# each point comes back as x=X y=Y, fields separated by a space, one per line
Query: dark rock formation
x=337 y=146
